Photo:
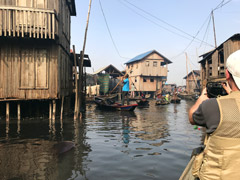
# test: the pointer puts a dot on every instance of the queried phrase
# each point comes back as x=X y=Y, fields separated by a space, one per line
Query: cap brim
x=237 y=81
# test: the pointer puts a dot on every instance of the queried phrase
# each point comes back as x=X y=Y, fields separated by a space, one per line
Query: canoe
x=142 y=102
x=107 y=104
x=162 y=101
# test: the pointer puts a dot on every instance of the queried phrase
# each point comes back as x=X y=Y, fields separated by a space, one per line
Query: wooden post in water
x=61 y=116
x=7 y=112
x=82 y=56
x=19 y=111
x=54 y=111
x=76 y=109
x=50 y=110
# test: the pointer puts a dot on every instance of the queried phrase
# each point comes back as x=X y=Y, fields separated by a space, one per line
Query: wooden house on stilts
x=35 y=51
x=148 y=71
x=213 y=63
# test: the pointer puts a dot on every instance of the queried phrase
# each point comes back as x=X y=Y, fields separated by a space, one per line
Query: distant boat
x=162 y=102
x=142 y=102
x=108 y=104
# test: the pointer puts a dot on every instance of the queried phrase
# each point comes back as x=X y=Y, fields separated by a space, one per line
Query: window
x=136 y=66
x=147 y=63
x=154 y=63
x=144 y=80
x=135 y=80
x=151 y=80
x=163 y=63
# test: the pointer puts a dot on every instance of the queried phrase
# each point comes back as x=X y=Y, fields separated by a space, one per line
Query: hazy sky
x=172 y=27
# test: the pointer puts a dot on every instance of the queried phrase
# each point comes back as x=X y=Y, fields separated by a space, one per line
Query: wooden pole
x=215 y=39
x=50 y=110
x=54 y=111
x=19 y=117
x=82 y=56
x=76 y=86
x=19 y=111
x=61 y=117
x=7 y=111
x=187 y=85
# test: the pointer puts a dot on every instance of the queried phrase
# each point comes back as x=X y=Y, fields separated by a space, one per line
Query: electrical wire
x=110 y=34
x=153 y=21
x=174 y=27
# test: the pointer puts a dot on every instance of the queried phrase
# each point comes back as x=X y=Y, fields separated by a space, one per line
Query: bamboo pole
x=187 y=85
x=215 y=39
x=76 y=86
x=82 y=56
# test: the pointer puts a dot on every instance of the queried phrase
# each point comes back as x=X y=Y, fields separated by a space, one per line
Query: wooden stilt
x=50 y=110
x=19 y=111
x=61 y=116
x=7 y=111
x=54 y=111
x=50 y=116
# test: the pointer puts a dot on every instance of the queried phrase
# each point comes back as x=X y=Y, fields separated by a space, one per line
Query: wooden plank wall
x=29 y=72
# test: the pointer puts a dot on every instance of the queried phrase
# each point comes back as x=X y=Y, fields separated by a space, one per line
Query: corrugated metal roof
x=139 y=57
x=107 y=68
x=144 y=55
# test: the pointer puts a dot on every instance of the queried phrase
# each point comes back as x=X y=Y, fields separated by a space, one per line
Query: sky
x=119 y=30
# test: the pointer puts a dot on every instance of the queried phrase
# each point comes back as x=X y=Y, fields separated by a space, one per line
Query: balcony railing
x=28 y=22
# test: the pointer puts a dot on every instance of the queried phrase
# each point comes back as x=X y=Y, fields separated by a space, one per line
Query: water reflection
x=149 y=143
x=42 y=149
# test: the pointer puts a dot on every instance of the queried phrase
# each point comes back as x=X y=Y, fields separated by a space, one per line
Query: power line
x=114 y=44
x=220 y=5
x=153 y=21
x=174 y=27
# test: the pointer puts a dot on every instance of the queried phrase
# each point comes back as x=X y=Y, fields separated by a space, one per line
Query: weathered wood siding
x=34 y=64
x=151 y=66
x=213 y=67
x=151 y=70
x=29 y=71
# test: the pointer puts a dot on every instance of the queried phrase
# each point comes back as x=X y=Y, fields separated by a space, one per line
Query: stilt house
x=148 y=71
x=35 y=49
x=193 y=82
x=213 y=63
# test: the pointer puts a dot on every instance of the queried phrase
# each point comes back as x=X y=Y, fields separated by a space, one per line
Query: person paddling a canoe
x=125 y=89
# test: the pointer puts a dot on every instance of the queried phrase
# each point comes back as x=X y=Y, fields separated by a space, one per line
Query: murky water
x=149 y=143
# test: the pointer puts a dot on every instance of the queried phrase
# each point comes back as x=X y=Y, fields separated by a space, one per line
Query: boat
x=162 y=101
x=142 y=102
x=109 y=104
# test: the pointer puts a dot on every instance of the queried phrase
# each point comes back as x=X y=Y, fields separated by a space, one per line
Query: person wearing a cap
x=221 y=118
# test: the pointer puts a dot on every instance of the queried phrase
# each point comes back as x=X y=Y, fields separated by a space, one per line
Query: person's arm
x=202 y=98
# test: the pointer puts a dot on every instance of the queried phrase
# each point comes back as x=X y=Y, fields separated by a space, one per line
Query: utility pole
x=214 y=30
x=81 y=58
x=187 y=85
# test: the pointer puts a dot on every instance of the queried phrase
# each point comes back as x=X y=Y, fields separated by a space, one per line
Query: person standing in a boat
x=125 y=89
x=221 y=117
